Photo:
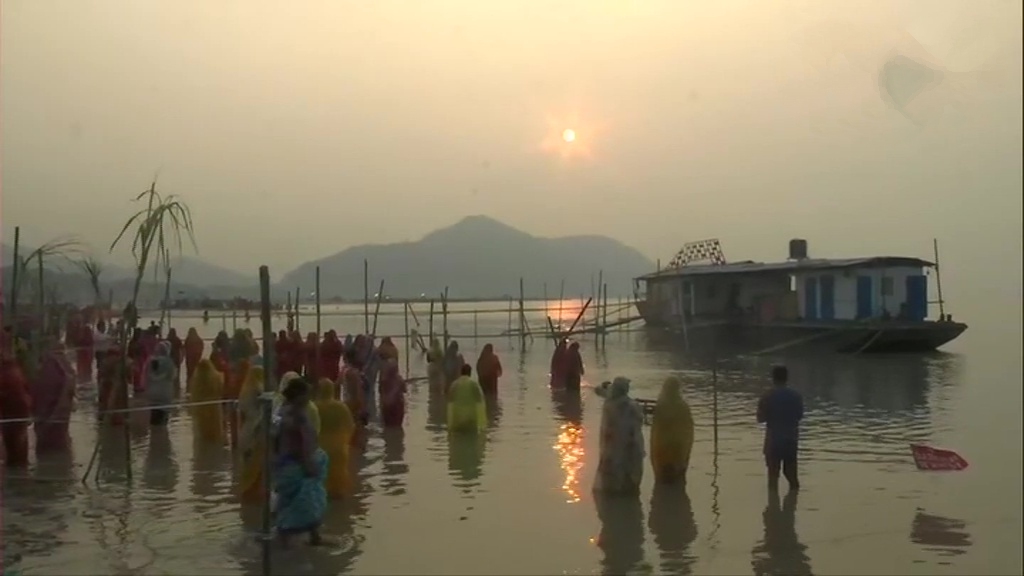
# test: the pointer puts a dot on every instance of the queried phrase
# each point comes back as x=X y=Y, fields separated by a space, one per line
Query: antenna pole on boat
x=938 y=279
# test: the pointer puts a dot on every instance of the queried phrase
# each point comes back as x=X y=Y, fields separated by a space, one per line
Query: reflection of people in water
x=781 y=409
x=674 y=528
x=622 y=532
x=780 y=551
x=395 y=467
x=161 y=469
x=568 y=405
x=466 y=459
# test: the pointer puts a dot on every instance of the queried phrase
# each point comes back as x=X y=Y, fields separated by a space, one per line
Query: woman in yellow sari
x=671 y=434
x=336 y=430
x=207 y=385
x=251 y=442
x=467 y=410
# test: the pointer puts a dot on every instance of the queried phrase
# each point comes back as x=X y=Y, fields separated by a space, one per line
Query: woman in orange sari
x=488 y=370
x=193 y=354
x=233 y=382
x=352 y=385
x=251 y=445
x=337 y=430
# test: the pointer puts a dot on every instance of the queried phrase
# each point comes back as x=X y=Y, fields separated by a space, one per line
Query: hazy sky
x=295 y=129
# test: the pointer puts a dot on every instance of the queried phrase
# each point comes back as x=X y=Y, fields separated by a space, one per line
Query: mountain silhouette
x=477 y=257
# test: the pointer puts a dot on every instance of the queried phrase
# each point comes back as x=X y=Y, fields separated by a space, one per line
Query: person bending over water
x=300 y=468
x=781 y=409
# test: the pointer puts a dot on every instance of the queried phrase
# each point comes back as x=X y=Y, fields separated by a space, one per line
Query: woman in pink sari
x=53 y=395
x=392 y=395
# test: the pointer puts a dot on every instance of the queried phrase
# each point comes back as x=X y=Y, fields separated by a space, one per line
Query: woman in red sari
x=392 y=395
x=193 y=354
x=84 y=353
x=177 y=355
x=310 y=354
x=330 y=356
x=15 y=402
x=283 y=352
x=488 y=370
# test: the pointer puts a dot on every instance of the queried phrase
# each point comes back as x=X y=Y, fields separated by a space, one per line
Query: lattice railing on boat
x=709 y=251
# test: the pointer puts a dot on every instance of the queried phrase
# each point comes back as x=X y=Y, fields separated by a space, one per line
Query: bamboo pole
x=366 y=296
x=604 y=312
x=597 y=310
x=290 y=313
x=522 y=315
x=266 y=402
x=234 y=320
x=476 y=331
x=167 y=298
x=407 y=338
x=938 y=279
x=376 y=308
x=12 y=309
x=561 y=300
x=316 y=296
x=508 y=329
x=298 y=299
x=224 y=321
x=430 y=326
x=444 y=316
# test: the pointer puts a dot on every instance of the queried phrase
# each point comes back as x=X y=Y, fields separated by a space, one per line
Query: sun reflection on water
x=570 y=454
x=564 y=311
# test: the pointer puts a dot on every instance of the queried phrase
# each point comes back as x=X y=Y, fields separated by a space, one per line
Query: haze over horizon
x=295 y=133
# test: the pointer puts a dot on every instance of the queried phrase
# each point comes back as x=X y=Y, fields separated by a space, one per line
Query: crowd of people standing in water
x=329 y=390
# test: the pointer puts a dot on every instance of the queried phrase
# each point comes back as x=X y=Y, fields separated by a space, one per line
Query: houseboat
x=873 y=304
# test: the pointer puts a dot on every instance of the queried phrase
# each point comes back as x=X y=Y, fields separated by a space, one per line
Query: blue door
x=828 y=297
x=917 y=297
x=811 y=298
x=865 y=306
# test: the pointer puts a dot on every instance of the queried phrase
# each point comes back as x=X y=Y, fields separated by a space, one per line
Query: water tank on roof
x=798 y=249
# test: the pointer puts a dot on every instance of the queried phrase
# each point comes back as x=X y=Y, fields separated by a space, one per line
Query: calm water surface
x=520 y=501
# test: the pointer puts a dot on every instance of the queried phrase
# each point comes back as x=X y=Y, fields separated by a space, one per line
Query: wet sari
x=621 y=454
x=337 y=427
x=15 y=402
x=355 y=397
x=207 y=385
x=193 y=354
x=301 y=498
x=392 y=396
x=252 y=447
x=488 y=370
x=52 y=402
x=671 y=434
x=467 y=409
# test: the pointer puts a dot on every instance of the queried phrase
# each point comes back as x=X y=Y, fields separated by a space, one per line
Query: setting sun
x=569 y=135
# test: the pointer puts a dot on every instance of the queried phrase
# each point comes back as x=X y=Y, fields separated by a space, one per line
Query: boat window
x=887 y=286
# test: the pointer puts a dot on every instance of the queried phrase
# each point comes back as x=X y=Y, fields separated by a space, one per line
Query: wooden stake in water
x=508 y=329
x=938 y=279
x=234 y=320
x=298 y=300
x=604 y=312
x=366 y=296
x=165 y=308
x=476 y=331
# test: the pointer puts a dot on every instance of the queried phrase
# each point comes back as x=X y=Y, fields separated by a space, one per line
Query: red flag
x=936 y=459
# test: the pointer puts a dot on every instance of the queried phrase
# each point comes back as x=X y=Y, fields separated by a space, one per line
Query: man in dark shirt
x=781 y=410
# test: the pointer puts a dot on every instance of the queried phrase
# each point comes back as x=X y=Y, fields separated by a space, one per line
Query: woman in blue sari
x=300 y=467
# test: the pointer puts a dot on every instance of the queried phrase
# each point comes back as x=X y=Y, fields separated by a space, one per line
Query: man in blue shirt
x=781 y=410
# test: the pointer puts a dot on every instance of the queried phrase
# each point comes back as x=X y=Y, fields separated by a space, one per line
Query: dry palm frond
x=161 y=225
x=92 y=268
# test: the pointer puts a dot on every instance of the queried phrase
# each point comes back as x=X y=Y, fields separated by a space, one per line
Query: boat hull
x=845 y=336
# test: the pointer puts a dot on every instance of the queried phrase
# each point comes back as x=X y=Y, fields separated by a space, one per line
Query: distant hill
x=477 y=257
x=185 y=269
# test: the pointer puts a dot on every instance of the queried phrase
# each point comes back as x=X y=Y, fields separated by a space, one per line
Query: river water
x=521 y=502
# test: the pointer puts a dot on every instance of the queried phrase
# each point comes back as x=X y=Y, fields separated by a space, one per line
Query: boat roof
x=789 y=266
